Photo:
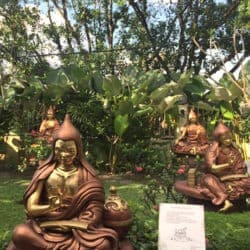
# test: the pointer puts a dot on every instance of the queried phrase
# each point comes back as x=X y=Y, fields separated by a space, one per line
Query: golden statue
x=193 y=139
x=64 y=202
x=226 y=179
x=49 y=125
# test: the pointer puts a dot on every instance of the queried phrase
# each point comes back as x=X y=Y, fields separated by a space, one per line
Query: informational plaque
x=181 y=227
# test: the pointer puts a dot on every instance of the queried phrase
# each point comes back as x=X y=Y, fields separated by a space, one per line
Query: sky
x=48 y=46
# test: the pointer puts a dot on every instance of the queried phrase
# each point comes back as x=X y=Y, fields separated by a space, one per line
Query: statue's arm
x=93 y=213
x=34 y=208
x=42 y=127
x=183 y=134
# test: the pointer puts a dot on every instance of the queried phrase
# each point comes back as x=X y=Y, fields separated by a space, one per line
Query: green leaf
x=245 y=72
x=125 y=107
x=121 y=123
x=74 y=73
x=153 y=80
x=220 y=94
x=168 y=103
x=111 y=85
x=185 y=78
x=83 y=83
x=9 y=92
x=227 y=83
x=227 y=110
x=165 y=90
x=146 y=110
x=97 y=82
x=1 y=102
x=36 y=84
x=196 y=88
x=57 y=76
x=204 y=106
x=55 y=92
x=138 y=98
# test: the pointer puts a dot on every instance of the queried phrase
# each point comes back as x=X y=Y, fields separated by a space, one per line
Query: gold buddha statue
x=226 y=179
x=64 y=202
x=193 y=139
x=49 y=125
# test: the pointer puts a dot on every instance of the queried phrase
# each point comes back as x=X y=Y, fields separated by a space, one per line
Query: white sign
x=181 y=227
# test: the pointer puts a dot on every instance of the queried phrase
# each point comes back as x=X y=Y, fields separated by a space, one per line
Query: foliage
x=34 y=149
x=144 y=234
x=111 y=112
x=114 y=106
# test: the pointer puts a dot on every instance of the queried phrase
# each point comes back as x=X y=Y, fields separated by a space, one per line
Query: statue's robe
x=86 y=206
x=233 y=187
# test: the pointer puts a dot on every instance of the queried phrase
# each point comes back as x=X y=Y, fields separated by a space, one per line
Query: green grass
x=11 y=208
x=225 y=232
x=228 y=232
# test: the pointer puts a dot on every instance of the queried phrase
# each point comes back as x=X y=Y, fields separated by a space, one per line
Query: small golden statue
x=49 y=125
x=64 y=202
x=226 y=179
x=193 y=139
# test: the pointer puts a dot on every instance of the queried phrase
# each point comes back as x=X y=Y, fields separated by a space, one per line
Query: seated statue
x=226 y=179
x=64 y=202
x=193 y=139
x=49 y=125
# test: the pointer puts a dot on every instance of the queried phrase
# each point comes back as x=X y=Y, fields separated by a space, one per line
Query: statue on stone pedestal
x=64 y=202
x=193 y=139
x=49 y=125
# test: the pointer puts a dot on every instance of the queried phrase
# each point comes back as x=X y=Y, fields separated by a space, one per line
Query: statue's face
x=50 y=115
x=193 y=119
x=65 y=151
x=226 y=139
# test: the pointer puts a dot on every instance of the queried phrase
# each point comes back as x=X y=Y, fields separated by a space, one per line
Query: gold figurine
x=193 y=139
x=64 y=202
x=49 y=125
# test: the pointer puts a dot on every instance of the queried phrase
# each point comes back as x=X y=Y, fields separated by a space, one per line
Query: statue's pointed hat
x=67 y=131
x=192 y=114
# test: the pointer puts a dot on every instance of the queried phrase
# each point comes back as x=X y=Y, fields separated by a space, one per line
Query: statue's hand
x=55 y=202
x=193 y=151
x=177 y=141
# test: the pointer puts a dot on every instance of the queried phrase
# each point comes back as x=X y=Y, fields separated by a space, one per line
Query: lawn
x=225 y=232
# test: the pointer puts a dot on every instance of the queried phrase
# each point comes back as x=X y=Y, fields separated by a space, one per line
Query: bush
x=34 y=149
